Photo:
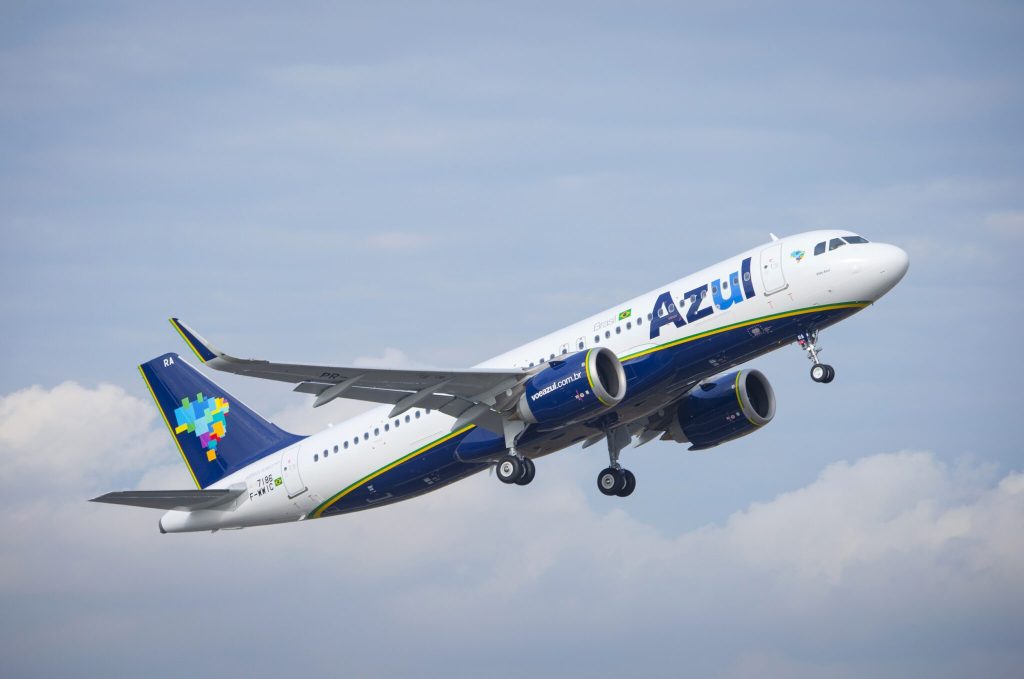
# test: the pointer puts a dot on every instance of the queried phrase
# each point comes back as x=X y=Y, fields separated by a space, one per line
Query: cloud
x=872 y=550
x=62 y=434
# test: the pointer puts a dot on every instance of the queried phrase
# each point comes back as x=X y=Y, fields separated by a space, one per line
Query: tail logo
x=203 y=417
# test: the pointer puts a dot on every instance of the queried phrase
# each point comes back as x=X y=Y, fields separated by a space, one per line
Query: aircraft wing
x=183 y=500
x=471 y=396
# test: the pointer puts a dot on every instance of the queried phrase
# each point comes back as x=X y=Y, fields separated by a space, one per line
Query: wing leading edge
x=470 y=396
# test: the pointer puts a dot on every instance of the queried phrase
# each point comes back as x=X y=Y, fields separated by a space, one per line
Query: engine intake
x=724 y=409
x=574 y=389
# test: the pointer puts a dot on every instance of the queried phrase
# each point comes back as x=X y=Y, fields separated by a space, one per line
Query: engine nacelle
x=727 y=408
x=573 y=389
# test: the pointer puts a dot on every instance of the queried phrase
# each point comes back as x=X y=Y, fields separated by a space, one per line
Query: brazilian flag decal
x=623 y=315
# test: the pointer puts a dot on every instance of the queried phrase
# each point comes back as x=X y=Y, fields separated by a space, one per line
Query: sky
x=432 y=184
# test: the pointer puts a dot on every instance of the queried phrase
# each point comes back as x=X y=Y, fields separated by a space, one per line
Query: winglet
x=203 y=350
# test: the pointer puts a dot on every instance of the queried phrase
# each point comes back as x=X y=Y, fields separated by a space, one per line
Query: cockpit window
x=855 y=240
x=835 y=243
x=819 y=249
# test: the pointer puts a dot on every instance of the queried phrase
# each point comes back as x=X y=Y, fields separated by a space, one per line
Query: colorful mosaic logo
x=797 y=255
x=204 y=417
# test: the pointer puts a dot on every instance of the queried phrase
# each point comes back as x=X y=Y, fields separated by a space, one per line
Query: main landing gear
x=614 y=480
x=820 y=372
x=513 y=467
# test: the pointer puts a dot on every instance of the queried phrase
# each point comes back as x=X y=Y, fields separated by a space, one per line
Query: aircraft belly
x=656 y=380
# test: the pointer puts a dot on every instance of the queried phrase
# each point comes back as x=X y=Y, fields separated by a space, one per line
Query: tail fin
x=216 y=433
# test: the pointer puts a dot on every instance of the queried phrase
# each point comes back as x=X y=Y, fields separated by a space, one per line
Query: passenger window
x=346 y=445
x=417 y=414
x=366 y=436
x=316 y=458
x=618 y=329
x=597 y=339
x=835 y=244
x=629 y=325
x=397 y=422
x=355 y=441
x=607 y=334
x=335 y=448
x=639 y=322
x=376 y=431
x=407 y=417
x=387 y=427
x=581 y=345
x=325 y=453
x=819 y=249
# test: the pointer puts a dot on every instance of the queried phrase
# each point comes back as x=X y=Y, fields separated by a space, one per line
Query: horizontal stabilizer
x=181 y=500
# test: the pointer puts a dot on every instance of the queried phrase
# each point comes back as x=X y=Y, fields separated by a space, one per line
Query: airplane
x=660 y=365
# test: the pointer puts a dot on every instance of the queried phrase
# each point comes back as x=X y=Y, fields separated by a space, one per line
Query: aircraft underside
x=656 y=381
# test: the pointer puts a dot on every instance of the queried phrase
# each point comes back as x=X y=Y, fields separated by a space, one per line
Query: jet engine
x=573 y=389
x=723 y=409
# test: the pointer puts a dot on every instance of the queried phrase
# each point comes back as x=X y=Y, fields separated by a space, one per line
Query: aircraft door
x=771 y=269
x=293 y=484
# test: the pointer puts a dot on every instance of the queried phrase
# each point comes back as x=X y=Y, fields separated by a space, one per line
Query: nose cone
x=878 y=267
x=892 y=263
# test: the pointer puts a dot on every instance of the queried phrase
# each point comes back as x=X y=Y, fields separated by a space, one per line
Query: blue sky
x=406 y=184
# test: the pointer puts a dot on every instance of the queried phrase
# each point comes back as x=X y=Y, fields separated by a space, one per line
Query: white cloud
x=71 y=431
x=872 y=547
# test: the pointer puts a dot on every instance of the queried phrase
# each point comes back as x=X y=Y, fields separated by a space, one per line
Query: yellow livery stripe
x=187 y=340
x=318 y=512
x=743 y=324
x=169 y=428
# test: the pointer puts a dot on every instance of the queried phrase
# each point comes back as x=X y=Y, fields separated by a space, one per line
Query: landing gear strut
x=614 y=480
x=514 y=467
x=820 y=372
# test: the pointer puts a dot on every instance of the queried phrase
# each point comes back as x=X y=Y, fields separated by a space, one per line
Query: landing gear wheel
x=509 y=469
x=820 y=372
x=611 y=481
x=628 y=485
x=529 y=471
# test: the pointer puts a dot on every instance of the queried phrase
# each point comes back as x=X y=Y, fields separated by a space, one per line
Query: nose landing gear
x=820 y=372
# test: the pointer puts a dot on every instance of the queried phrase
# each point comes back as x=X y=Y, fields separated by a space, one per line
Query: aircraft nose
x=889 y=264
x=893 y=263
